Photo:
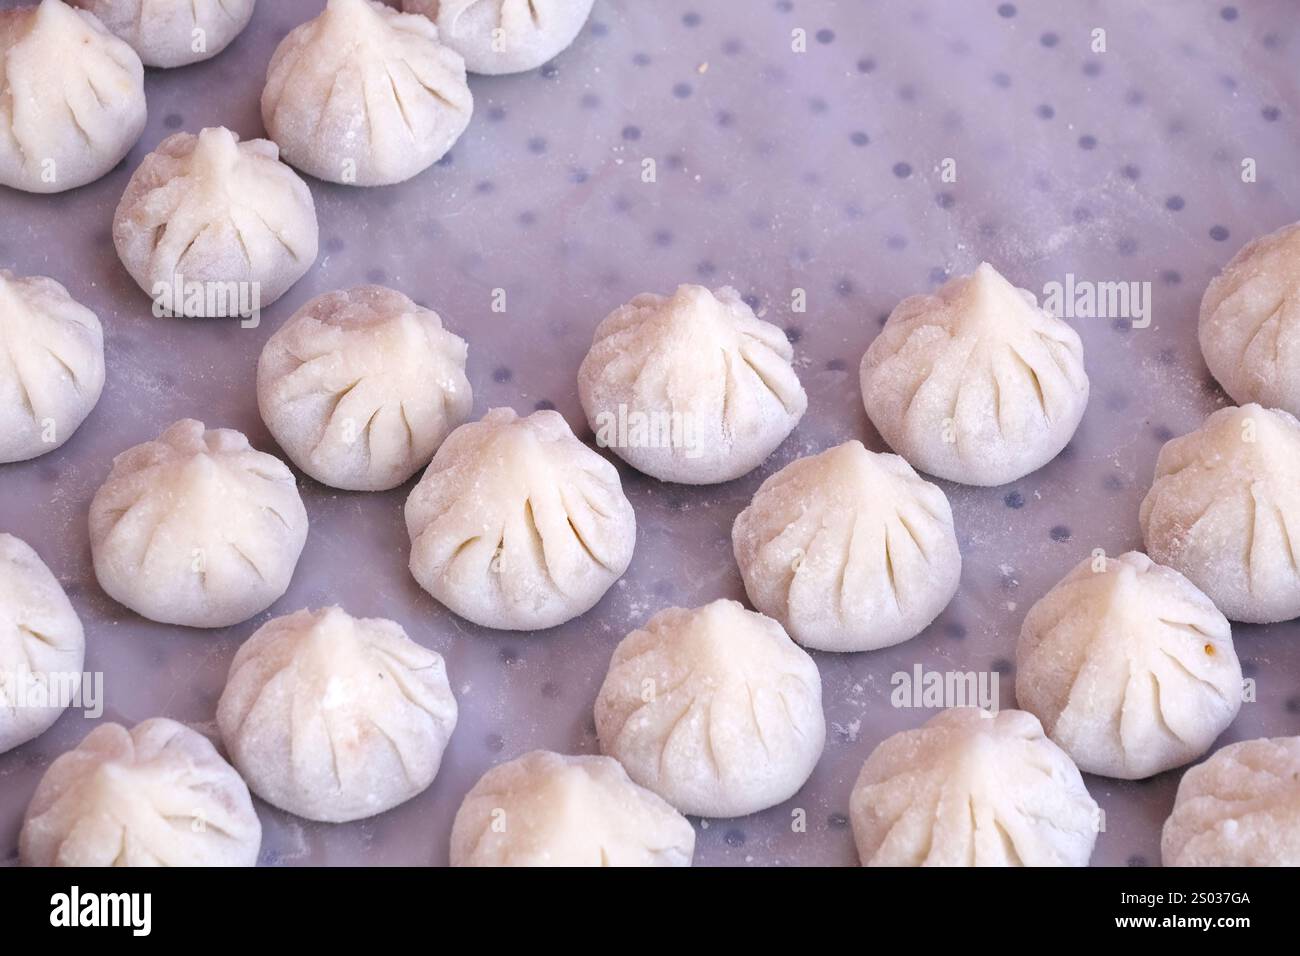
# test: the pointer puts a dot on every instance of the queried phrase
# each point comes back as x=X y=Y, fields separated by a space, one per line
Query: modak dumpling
x=975 y=383
x=360 y=387
x=364 y=95
x=73 y=98
x=849 y=549
x=197 y=527
x=173 y=32
x=1222 y=508
x=51 y=365
x=518 y=525
x=505 y=36
x=691 y=387
x=211 y=226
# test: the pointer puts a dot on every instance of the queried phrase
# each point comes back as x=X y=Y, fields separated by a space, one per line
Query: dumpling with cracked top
x=197 y=527
x=975 y=383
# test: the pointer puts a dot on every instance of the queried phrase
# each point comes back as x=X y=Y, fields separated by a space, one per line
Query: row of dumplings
x=363 y=94
x=712 y=711
x=1127 y=663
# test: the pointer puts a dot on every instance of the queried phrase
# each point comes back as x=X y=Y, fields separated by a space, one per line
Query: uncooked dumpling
x=173 y=32
x=73 y=98
x=157 y=795
x=197 y=527
x=42 y=645
x=1250 y=322
x=1225 y=511
x=1239 y=808
x=333 y=717
x=1129 y=667
x=975 y=383
x=361 y=387
x=545 y=809
x=972 y=788
x=51 y=365
x=850 y=550
x=518 y=525
x=691 y=387
x=505 y=36
x=210 y=226
x=715 y=709
x=365 y=95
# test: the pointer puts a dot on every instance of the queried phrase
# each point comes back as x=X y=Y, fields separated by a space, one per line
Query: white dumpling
x=1222 y=510
x=715 y=709
x=364 y=95
x=975 y=383
x=518 y=525
x=1129 y=667
x=850 y=550
x=156 y=795
x=209 y=213
x=73 y=102
x=333 y=717
x=51 y=365
x=505 y=36
x=546 y=809
x=1250 y=322
x=197 y=527
x=361 y=387
x=173 y=32
x=971 y=788
x=691 y=387
x=1239 y=808
x=42 y=645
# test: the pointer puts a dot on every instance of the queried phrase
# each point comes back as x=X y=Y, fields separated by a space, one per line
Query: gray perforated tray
x=776 y=170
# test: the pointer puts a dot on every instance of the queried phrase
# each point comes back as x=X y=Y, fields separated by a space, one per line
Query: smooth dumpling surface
x=73 y=102
x=715 y=709
x=51 y=365
x=365 y=95
x=518 y=525
x=1239 y=808
x=546 y=809
x=505 y=36
x=971 y=788
x=333 y=717
x=156 y=795
x=209 y=213
x=691 y=387
x=850 y=550
x=361 y=387
x=42 y=645
x=975 y=383
x=1250 y=322
x=197 y=527
x=1225 y=511
x=1129 y=667
x=173 y=32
